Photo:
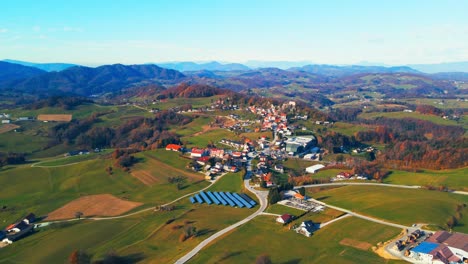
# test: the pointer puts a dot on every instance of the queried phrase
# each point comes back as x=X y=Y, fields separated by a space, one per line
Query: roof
x=198 y=151
x=457 y=240
x=173 y=146
x=299 y=196
x=425 y=247
x=286 y=217
x=439 y=237
x=316 y=167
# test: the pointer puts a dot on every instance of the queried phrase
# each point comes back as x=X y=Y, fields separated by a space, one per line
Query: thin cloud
x=36 y=28
x=3 y=30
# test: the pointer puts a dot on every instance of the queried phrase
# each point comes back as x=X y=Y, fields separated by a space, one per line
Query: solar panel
x=248 y=199
x=198 y=198
x=244 y=202
x=205 y=197
x=234 y=199
x=220 y=198
x=213 y=198
x=231 y=203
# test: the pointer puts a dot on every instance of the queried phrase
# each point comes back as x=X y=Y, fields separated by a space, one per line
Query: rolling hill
x=12 y=71
x=209 y=66
x=340 y=71
x=88 y=81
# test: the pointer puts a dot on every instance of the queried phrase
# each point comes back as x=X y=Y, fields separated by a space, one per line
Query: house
x=29 y=219
x=306 y=228
x=314 y=168
x=6 y=121
x=230 y=168
x=236 y=154
x=284 y=219
x=197 y=153
x=299 y=196
x=173 y=147
x=216 y=153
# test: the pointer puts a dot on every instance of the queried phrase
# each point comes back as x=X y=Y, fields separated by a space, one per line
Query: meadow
x=397 y=205
x=456 y=179
x=263 y=236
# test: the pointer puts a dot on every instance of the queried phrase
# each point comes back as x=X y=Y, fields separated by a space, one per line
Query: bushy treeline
x=66 y=103
x=140 y=133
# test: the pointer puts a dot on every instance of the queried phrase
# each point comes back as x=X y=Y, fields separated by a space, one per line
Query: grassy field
x=212 y=136
x=434 y=119
x=231 y=182
x=49 y=188
x=263 y=236
x=456 y=179
x=72 y=159
x=193 y=127
x=403 y=206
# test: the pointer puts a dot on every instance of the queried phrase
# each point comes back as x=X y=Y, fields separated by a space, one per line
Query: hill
x=461 y=66
x=43 y=66
x=88 y=81
x=340 y=71
x=12 y=71
x=210 y=66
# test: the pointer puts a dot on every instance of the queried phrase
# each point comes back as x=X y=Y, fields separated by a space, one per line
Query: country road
x=261 y=195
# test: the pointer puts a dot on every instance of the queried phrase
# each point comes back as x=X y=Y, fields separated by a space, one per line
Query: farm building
x=173 y=147
x=54 y=118
x=314 y=168
x=443 y=247
x=284 y=219
x=295 y=145
x=197 y=153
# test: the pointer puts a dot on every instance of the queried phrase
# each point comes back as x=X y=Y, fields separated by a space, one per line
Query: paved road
x=334 y=220
x=360 y=215
x=360 y=183
x=262 y=197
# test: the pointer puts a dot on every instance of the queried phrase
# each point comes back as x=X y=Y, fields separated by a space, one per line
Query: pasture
x=263 y=236
x=402 y=206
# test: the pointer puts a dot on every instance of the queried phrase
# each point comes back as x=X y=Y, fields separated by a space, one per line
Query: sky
x=392 y=32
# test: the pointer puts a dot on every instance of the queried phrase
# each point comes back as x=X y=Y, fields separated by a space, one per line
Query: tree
x=273 y=196
x=78 y=214
x=263 y=259
x=79 y=257
x=302 y=191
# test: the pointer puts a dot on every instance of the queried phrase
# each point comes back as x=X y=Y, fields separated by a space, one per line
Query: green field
x=432 y=118
x=71 y=159
x=212 y=136
x=48 y=188
x=263 y=236
x=231 y=182
x=319 y=217
x=397 y=205
x=456 y=179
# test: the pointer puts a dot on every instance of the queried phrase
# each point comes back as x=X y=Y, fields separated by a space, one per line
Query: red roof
x=286 y=217
x=198 y=151
x=173 y=147
x=204 y=159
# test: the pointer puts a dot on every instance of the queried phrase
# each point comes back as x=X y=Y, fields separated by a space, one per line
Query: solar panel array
x=223 y=198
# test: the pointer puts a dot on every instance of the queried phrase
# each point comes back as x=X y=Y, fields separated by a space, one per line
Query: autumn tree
x=79 y=257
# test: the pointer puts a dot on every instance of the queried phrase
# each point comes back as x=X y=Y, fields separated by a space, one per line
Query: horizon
x=332 y=32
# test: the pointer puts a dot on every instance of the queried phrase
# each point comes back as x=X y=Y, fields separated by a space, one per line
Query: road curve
x=262 y=197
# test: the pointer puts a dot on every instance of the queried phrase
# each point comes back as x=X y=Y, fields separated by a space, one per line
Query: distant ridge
x=49 y=67
x=13 y=71
x=341 y=71
x=86 y=81
x=209 y=66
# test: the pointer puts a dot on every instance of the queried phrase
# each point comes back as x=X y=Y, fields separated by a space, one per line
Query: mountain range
x=209 y=66
x=324 y=79
x=43 y=66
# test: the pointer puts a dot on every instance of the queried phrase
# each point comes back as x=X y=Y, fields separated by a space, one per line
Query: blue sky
x=332 y=31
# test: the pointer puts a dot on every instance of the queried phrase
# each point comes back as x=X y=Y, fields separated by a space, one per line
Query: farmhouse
x=314 y=168
x=54 y=118
x=18 y=230
x=306 y=228
x=284 y=219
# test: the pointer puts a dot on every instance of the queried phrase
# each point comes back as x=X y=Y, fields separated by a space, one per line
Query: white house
x=306 y=228
x=314 y=168
x=284 y=219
